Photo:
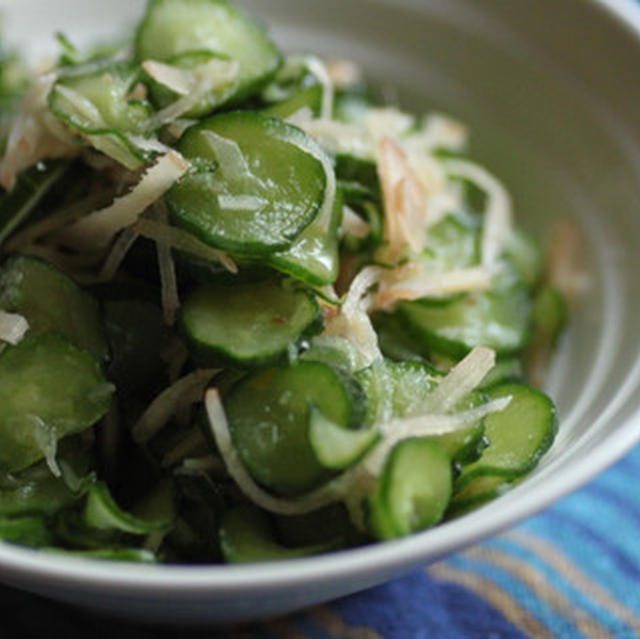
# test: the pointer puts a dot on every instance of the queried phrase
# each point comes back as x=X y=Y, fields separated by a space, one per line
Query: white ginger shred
x=222 y=435
x=353 y=224
x=96 y=231
x=186 y=391
x=217 y=74
x=181 y=240
x=405 y=200
x=463 y=378
x=35 y=134
x=498 y=213
x=353 y=322
x=321 y=72
x=13 y=327
x=418 y=284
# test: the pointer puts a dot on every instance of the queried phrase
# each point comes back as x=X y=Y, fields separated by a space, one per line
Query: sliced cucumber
x=364 y=171
x=250 y=324
x=525 y=253
x=505 y=370
x=336 y=447
x=313 y=257
x=96 y=104
x=174 y=27
x=296 y=88
x=452 y=244
x=246 y=535
x=308 y=97
x=393 y=389
x=52 y=303
x=549 y=315
x=413 y=491
x=269 y=414
x=351 y=106
x=35 y=491
x=261 y=183
x=466 y=445
x=32 y=185
x=102 y=512
x=38 y=408
x=498 y=319
x=335 y=351
x=396 y=341
x=162 y=96
x=477 y=492
x=518 y=436
x=26 y=531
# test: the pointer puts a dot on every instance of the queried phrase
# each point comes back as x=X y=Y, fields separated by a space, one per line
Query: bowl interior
x=550 y=119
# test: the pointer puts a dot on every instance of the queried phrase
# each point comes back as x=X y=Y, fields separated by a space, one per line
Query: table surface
x=572 y=572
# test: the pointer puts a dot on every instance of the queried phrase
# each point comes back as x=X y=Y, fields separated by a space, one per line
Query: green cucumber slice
x=173 y=27
x=38 y=408
x=338 y=448
x=52 y=303
x=246 y=535
x=413 y=491
x=313 y=257
x=35 y=491
x=261 y=183
x=398 y=389
x=308 y=97
x=505 y=370
x=452 y=244
x=335 y=351
x=549 y=316
x=498 y=319
x=269 y=414
x=95 y=102
x=393 y=389
x=476 y=493
x=526 y=255
x=518 y=436
x=364 y=171
x=162 y=96
x=102 y=512
x=26 y=531
x=32 y=185
x=295 y=88
x=250 y=324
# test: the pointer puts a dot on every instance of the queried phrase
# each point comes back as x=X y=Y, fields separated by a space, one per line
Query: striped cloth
x=572 y=572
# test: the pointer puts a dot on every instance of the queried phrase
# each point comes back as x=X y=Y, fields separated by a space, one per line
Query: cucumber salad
x=247 y=310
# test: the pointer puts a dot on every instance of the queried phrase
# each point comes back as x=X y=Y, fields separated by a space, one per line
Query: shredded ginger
x=13 y=327
x=35 y=134
x=96 y=231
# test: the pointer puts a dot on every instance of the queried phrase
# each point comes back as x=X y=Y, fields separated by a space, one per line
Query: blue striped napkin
x=572 y=572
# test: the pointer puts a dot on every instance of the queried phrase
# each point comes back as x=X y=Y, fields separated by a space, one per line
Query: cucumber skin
x=243 y=248
x=512 y=474
x=272 y=438
x=85 y=329
x=208 y=355
x=384 y=515
x=432 y=342
x=250 y=88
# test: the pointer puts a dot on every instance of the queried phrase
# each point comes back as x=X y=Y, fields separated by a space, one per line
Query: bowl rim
x=19 y=564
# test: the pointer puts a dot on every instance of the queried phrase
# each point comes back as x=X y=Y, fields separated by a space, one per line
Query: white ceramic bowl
x=551 y=91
